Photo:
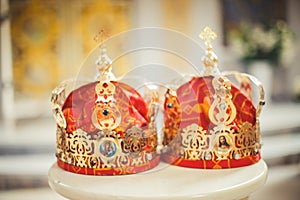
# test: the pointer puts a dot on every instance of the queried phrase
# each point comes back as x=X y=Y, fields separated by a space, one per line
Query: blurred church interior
x=46 y=41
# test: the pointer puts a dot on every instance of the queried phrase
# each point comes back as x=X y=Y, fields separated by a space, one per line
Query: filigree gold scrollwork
x=57 y=99
x=123 y=160
x=245 y=141
x=257 y=133
x=134 y=140
x=79 y=149
x=93 y=162
x=221 y=130
x=220 y=144
x=105 y=91
x=76 y=148
x=108 y=133
x=79 y=143
x=106 y=114
x=108 y=165
x=246 y=136
x=194 y=140
x=59 y=94
x=207 y=155
x=138 y=159
x=60 y=142
x=103 y=150
x=80 y=161
x=59 y=116
x=190 y=137
x=222 y=111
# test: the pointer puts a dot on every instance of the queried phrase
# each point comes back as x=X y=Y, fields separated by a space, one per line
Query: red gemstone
x=105 y=85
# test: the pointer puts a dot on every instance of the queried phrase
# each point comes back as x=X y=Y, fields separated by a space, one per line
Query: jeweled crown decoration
x=104 y=127
x=209 y=121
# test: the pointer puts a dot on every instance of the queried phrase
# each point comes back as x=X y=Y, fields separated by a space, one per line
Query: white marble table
x=162 y=182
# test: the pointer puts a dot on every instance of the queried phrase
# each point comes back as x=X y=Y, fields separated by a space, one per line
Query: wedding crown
x=104 y=127
x=210 y=122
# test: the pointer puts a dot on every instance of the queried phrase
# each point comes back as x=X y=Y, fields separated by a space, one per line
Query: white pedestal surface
x=163 y=182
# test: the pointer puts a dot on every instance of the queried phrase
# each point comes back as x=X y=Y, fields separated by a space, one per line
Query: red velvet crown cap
x=80 y=103
x=196 y=97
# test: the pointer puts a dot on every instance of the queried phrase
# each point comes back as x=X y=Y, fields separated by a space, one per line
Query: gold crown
x=209 y=121
x=104 y=127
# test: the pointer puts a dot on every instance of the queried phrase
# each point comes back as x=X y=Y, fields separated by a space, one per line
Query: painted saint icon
x=108 y=148
x=223 y=144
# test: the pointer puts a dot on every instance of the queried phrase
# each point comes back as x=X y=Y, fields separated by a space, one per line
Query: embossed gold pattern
x=57 y=99
x=222 y=111
x=80 y=149
x=106 y=114
x=197 y=144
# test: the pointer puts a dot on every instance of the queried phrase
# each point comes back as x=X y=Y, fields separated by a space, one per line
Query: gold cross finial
x=208 y=36
x=100 y=36
x=210 y=60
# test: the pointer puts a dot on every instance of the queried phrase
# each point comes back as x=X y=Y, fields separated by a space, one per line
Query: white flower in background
x=254 y=42
x=288 y=51
x=268 y=41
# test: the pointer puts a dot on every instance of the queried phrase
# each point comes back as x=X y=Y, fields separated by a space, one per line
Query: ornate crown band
x=108 y=152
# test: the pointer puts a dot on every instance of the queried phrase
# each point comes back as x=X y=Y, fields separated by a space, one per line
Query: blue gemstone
x=105 y=112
